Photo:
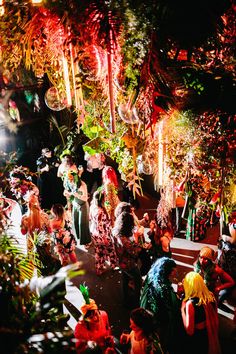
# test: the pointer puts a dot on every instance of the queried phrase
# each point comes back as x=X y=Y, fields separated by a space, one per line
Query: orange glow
x=67 y=81
x=160 y=153
x=2 y=10
x=37 y=2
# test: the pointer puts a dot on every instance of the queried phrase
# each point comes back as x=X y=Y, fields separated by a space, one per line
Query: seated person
x=93 y=326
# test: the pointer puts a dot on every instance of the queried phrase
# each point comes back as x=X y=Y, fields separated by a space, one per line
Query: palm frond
x=85 y=292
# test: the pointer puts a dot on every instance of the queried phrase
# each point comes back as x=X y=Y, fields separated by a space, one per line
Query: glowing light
x=160 y=153
x=67 y=81
x=2 y=10
x=37 y=2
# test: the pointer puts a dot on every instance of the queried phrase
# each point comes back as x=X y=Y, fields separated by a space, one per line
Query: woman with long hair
x=100 y=228
x=159 y=297
x=110 y=188
x=63 y=238
x=199 y=313
x=128 y=251
x=35 y=220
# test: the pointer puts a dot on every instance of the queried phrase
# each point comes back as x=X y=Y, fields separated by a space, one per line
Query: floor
x=106 y=289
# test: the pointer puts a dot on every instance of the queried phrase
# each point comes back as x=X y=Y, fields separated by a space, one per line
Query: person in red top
x=200 y=318
x=93 y=326
x=216 y=279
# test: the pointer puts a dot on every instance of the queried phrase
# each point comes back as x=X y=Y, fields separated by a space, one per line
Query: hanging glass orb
x=128 y=114
x=55 y=100
x=145 y=165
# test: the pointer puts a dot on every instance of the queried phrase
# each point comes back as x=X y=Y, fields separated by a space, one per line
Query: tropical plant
x=31 y=321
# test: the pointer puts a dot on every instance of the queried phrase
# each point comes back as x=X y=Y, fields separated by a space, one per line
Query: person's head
x=121 y=207
x=124 y=225
x=57 y=210
x=19 y=174
x=67 y=160
x=163 y=270
x=46 y=152
x=66 y=157
x=206 y=256
x=109 y=176
x=142 y=320
x=90 y=311
x=98 y=198
x=195 y=287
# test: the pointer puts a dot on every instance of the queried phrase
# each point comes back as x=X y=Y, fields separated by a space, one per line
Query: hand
x=124 y=338
x=45 y=169
x=67 y=194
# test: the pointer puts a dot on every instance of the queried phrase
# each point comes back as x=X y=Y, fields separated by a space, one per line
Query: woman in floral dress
x=100 y=227
x=64 y=240
x=110 y=187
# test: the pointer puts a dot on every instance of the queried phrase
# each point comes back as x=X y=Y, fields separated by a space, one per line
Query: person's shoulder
x=103 y=314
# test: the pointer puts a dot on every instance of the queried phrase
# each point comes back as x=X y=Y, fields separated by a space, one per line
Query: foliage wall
x=130 y=65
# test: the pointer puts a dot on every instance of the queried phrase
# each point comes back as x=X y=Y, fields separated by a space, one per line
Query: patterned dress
x=64 y=240
x=100 y=227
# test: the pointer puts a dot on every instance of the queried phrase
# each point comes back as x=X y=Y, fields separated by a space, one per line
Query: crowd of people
x=69 y=214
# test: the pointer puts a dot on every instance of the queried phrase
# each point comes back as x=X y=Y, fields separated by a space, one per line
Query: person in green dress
x=159 y=297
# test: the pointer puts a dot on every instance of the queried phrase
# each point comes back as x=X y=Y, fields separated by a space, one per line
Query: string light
x=36 y=2
x=160 y=154
x=2 y=10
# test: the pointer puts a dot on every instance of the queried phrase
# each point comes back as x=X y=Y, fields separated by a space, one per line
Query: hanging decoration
x=55 y=100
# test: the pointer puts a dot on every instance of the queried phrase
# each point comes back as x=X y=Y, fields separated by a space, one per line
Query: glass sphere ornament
x=128 y=114
x=54 y=99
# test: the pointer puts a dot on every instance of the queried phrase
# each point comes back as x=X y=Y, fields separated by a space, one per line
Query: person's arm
x=82 y=192
x=60 y=171
x=188 y=316
x=226 y=280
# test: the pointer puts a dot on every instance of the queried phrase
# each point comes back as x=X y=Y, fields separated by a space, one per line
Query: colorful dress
x=111 y=200
x=64 y=241
x=100 y=226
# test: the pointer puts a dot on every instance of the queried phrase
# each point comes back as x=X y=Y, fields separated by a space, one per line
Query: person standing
x=33 y=221
x=200 y=317
x=110 y=187
x=216 y=279
x=66 y=164
x=76 y=191
x=128 y=253
x=50 y=186
x=158 y=296
x=10 y=222
x=95 y=164
x=62 y=234
x=100 y=227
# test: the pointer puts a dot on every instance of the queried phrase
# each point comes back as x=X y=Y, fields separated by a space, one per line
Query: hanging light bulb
x=36 y=2
x=2 y=10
